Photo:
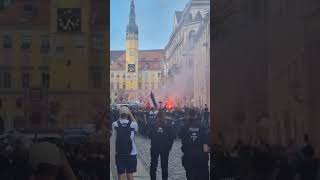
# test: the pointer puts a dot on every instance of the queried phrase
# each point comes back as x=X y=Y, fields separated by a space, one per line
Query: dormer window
x=189 y=17
x=119 y=66
x=146 y=66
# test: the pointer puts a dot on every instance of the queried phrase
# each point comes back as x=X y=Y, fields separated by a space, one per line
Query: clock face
x=131 y=53
x=69 y=20
x=131 y=68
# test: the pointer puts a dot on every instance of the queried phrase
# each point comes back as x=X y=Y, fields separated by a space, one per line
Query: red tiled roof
x=147 y=58
x=14 y=13
x=114 y=55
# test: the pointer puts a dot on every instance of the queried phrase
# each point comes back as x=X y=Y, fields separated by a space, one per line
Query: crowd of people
x=175 y=116
x=256 y=161
x=261 y=161
x=22 y=158
x=162 y=126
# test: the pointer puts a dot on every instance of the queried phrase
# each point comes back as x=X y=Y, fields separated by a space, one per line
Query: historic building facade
x=134 y=73
x=266 y=87
x=52 y=63
x=149 y=76
x=186 y=66
x=201 y=53
x=294 y=72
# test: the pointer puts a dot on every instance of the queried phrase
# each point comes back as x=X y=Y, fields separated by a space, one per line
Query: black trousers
x=164 y=156
x=196 y=167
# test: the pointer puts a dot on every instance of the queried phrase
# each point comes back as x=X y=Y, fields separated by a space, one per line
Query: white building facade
x=187 y=64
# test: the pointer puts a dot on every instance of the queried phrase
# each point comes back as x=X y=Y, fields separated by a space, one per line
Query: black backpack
x=123 y=140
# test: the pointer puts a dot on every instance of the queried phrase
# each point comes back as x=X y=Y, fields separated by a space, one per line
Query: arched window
x=191 y=35
x=191 y=38
x=118 y=85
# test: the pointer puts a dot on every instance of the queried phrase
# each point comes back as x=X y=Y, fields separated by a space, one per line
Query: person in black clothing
x=5 y=165
x=308 y=165
x=263 y=162
x=194 y=138
x=162 y=136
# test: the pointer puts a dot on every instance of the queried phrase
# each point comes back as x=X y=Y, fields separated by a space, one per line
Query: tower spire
x=132 y=26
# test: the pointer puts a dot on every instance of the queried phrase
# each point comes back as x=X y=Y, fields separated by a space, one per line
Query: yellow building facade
x=52 y=74
x=134 y=73
x=149 y=77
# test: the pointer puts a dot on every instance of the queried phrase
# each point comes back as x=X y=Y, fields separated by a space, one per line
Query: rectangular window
x=7 y=41
x=28 y=10
x=25 y=80
x=111 y=86
x=80 y=45
x=25 y=42
x=6 y=80
x=112 y=75
x=45 y=80
x=118 y=85
x=123 y=86
x=59 y=44
x=45 y=44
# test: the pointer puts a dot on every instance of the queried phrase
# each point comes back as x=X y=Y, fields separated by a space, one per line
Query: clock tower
x=132 y=56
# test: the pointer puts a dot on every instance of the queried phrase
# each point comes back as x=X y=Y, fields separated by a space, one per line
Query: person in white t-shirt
x=126 y=152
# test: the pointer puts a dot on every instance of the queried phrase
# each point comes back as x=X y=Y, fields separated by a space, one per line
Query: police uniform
x=195 y=161
x=162 y=137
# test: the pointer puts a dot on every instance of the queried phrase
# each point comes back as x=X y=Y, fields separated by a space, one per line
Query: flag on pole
x=153 y=100
x=148 y=106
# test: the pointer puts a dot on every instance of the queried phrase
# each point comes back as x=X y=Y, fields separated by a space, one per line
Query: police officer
x=194 y=138
x=162 y=136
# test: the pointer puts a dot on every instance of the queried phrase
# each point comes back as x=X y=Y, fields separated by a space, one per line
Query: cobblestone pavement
x=176 y=171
